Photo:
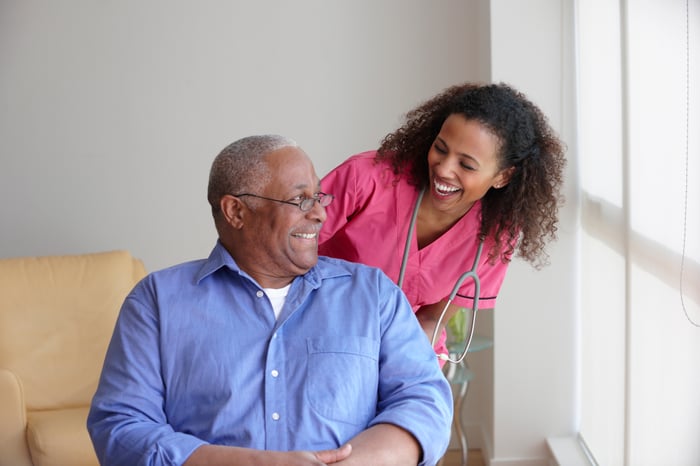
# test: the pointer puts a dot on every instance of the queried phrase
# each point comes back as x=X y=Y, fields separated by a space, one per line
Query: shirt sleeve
x=127 y=422
x=414 y=394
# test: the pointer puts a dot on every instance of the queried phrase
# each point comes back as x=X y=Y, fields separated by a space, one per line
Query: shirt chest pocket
x=342 y=379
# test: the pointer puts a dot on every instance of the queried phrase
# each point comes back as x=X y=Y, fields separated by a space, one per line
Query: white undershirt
x=277 y=296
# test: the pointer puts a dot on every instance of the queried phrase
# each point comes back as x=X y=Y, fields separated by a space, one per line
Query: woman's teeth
x=445 y=189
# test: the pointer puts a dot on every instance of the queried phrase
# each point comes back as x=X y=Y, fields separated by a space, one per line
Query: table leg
x=462 y=375
x=457 y=421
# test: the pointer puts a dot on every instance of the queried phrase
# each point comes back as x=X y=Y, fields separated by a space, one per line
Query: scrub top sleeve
x=342 y=183
x=491 y=278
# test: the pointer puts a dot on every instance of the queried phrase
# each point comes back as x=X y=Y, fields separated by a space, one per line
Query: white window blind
x=639 y=133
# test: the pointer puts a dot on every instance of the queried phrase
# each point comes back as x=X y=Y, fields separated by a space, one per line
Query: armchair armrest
x=13 y=422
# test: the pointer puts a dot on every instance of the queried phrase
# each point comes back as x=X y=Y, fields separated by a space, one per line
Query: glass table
x=459 y=376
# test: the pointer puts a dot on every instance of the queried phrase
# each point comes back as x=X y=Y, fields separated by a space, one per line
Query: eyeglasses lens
x=308 y=203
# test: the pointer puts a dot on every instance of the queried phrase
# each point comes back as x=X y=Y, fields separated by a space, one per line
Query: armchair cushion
x=59 y=437
x=13 y=444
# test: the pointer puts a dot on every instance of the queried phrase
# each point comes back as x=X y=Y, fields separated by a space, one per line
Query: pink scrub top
x=368 y=222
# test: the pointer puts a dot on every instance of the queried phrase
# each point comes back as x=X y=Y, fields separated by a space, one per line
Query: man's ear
x=503 y=178
x=232 y=210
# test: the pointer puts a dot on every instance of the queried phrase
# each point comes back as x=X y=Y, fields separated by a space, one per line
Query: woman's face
x=463 y=165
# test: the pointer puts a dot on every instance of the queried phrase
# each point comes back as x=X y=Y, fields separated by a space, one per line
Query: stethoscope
x=471 y=273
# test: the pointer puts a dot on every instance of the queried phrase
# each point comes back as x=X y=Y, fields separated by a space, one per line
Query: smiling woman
x=463 y=165
x=491 y=170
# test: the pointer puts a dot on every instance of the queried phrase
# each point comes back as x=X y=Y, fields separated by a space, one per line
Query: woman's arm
x=428 y=318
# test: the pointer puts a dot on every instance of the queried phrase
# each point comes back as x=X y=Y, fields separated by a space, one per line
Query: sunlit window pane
x=657 y=127
x=600 y=132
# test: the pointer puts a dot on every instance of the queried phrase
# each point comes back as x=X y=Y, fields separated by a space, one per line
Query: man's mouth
x=305 y=235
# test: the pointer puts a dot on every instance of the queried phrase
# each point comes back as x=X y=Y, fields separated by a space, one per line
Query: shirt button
x=260 y=294
x=274 y=373
x=275 y=416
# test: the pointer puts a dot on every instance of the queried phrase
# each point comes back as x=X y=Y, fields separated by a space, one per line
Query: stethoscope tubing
x=472 y=273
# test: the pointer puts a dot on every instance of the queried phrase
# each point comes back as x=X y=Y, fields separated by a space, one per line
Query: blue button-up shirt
x=198 y=357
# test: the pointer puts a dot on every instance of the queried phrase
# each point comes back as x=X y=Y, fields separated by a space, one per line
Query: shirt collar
x=220 y=258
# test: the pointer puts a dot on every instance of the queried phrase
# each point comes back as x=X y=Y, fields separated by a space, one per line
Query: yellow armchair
x=57 y=314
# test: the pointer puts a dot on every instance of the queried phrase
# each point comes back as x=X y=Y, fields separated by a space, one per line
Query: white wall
x=111 y=112
x=536 y=328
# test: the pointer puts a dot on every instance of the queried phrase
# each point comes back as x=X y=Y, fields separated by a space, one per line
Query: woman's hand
x=429 y=315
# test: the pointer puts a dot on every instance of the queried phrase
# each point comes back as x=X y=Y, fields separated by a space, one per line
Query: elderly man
x=264 y=353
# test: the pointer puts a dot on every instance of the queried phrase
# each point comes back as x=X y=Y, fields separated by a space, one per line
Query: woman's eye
x=440 y=150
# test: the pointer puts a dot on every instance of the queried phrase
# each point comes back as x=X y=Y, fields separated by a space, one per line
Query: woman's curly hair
x=525 y=211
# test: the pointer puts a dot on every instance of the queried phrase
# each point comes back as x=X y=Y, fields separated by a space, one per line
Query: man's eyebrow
x=302 y=186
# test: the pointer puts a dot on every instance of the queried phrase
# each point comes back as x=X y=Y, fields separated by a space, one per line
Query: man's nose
x=317 y=212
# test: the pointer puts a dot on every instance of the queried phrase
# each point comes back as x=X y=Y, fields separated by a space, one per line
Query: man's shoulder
x=177 y=272
x=331 y=266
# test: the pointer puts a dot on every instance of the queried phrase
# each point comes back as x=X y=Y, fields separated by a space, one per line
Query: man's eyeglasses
x=304 y=203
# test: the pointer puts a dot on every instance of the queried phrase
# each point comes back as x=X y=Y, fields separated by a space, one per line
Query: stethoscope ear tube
x=407 y=247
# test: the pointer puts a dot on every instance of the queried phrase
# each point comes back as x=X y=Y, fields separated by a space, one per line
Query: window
x=639 y=114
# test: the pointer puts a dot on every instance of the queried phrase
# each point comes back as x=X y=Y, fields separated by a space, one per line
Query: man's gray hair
x=240 y=167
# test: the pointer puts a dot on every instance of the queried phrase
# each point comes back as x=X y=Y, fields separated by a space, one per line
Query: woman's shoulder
x=366 y=158
x=362 y=167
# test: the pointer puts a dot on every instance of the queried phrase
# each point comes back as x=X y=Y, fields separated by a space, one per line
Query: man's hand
x=335 y=455
x=215 y=455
